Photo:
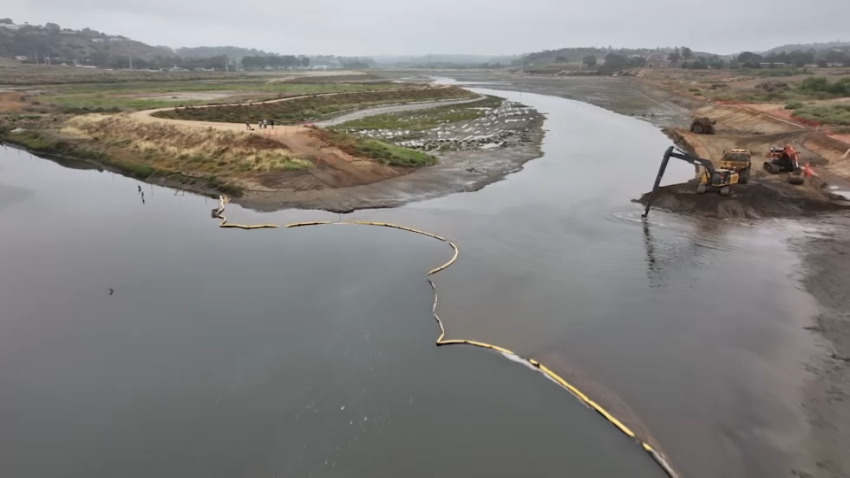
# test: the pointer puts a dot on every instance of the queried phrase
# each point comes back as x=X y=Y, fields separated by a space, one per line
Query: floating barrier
x=442 y=341
x=219 y=214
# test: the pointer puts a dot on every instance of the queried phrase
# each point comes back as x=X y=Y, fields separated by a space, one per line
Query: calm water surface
x=310 y=351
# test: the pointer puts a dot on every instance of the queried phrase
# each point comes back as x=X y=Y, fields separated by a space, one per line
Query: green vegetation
x=793 y=105
x=102 y=104
x=34 y=141
x=245 y=85
x=424 y=119
x=827 y=114
x=821 y=87
x=775 y=72
x=309 y=108
x=89 y=98
x=378 y=150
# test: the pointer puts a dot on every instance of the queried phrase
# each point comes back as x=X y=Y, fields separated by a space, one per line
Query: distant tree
x=700 y=63
x=273 y=61
x=6 y=21
x=716 y=62
x=52 y=27
x=589 y=60
x=674 y=56
x=822 y=63
x=750 y=59
x=217 y=62
x=290 y=61
x=687 y=53
x=799 y=58
x=254 y=62
x=305 y=62
x=614 y=62
x=836 y=56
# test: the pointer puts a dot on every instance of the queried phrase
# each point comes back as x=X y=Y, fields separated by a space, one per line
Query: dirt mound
x=760 y=199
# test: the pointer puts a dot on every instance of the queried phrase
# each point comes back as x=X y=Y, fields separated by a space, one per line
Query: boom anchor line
x=443 y=341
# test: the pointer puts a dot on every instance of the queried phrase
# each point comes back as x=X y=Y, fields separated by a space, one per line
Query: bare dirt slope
x=333 y=168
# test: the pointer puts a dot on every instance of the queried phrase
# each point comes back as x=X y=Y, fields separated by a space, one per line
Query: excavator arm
x=673 y=153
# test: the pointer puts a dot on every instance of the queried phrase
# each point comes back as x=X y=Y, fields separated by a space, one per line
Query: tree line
x=619 y=59
x=797 y=58
x=275 y=62
x=747 y=59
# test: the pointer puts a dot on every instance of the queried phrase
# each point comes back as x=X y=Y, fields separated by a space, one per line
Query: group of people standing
x=263 y=124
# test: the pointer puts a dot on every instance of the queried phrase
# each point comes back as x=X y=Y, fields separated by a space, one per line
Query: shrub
x=793 y=105
x=831 y=114
x=822 y=86
x=141 y=171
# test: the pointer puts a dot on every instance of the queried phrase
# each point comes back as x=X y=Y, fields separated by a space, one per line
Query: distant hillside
x=233 y=53
x=442 y=59
x=574 y=55
x=62 y=45
x=835 y=45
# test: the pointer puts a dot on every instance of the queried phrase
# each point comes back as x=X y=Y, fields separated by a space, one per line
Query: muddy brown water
x=233 y=353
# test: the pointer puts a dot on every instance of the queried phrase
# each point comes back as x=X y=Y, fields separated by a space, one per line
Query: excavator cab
x=719 y=180
x=782 y=160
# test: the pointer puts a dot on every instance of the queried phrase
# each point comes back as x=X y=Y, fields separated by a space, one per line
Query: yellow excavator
x=710 y=178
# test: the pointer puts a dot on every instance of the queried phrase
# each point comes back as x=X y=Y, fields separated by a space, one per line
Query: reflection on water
x=681 y=252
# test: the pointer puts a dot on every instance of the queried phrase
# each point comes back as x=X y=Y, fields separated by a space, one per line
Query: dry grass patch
x=180 y=148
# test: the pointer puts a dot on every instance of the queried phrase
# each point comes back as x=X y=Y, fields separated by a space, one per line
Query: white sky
x=374 y=27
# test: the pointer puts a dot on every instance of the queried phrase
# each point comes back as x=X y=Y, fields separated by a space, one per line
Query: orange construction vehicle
x=785 y=160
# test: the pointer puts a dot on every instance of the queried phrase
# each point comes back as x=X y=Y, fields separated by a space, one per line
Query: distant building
x=774 y=64
x=10 y=26
x=657 y=60
x=22 y=58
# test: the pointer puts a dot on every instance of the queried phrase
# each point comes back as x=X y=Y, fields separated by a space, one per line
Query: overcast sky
x=374 y=27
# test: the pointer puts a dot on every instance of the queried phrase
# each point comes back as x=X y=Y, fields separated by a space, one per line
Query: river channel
x=309 y=352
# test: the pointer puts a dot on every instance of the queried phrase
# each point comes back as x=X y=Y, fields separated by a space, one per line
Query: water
x=226 y=353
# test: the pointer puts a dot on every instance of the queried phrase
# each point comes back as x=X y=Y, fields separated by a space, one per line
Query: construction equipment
x=785 y=160
x=711 y=178
x=738 y=160
x=703 y=125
